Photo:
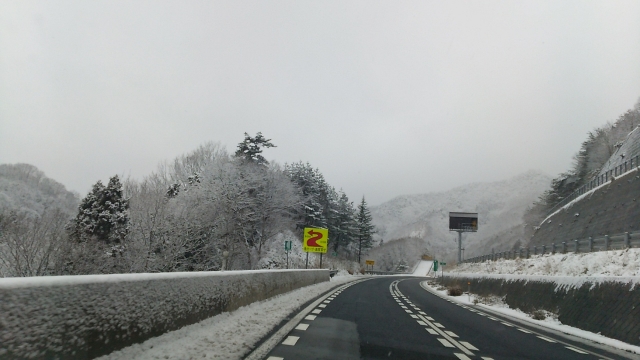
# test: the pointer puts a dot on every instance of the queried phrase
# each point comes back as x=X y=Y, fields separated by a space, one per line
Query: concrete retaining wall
x=611 y=209
x=80 y=317
x=611 y=308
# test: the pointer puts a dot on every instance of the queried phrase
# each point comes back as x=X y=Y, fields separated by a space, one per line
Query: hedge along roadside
x=80 y=317
x=605 y=305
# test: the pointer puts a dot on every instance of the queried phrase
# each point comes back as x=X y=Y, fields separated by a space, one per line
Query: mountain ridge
x=500 y=204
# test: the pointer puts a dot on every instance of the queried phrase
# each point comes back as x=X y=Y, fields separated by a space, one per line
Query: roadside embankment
x=80 y=317
x=606 y=305
x=608 y=209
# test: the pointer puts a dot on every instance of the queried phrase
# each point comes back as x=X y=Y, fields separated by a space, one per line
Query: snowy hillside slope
x=500 y=205
x=622 y=263
x=24 y=188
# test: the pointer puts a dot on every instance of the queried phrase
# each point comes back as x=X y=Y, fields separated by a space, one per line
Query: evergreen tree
x=103 y=214
x=251 y=148
x=311 y=183
x=365 y=228
x=346 y=230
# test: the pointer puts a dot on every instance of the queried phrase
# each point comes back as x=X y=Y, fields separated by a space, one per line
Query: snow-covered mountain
x=24 y=188
x=500 y=206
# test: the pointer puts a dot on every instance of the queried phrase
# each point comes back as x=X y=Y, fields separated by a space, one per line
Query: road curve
x=398 y=318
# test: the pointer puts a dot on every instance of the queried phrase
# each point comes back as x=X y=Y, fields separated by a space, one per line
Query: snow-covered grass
x=622 y=263
x=230 y=335
x=550 y=321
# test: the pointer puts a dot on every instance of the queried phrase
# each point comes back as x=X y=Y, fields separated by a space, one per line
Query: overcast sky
x=385 y=98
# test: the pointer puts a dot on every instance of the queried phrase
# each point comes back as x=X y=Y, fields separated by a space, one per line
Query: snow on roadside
x=623 y=263
x=228 y=335
x=549 y=322
x=423 y=267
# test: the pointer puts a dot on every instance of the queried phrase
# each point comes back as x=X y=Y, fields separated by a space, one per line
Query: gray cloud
x=386 y=98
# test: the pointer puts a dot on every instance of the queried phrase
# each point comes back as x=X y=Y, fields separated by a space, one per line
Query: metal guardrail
x=376 y=272
x=591 y=244
x=601 y=179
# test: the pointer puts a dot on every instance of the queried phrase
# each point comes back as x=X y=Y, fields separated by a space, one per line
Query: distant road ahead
x=396 y=318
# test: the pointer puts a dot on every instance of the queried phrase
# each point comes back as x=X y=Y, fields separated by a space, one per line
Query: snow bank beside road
x=230 y=335
x=622 y=263
x=424 y=267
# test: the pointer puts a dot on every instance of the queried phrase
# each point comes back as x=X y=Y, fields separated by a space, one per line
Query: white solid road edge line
x=539 y=327
x=261 y=351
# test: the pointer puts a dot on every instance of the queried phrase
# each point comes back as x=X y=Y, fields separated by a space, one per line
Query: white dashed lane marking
x=468 y=346
x=322 y=306
x=462 y=356
x=310 y=317
x=291 y=340
x=302 y=327
x=445 y=343
x=434 y=328
x=275 y=358
x=316 y=311
x=546 y=339
x=471 y=347
x=576 y=350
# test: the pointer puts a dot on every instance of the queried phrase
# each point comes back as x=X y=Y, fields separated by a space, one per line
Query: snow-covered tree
x=365 y=228
x=312 y=184
x=345 y=231
x=251 y=148
x=102 y=214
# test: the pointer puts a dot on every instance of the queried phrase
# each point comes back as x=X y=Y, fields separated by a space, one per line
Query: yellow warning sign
x=315 y=240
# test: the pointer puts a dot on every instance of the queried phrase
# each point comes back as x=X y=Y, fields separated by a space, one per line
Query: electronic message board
x=460 y=221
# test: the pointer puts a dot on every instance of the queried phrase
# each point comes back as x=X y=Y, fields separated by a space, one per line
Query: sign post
x=462 y=222
x=442 y=270
x=370 y=263
x=315 y=240
x=287 y=249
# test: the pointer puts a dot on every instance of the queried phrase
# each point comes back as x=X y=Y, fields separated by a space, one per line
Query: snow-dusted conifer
x=102 y=214
x=365 y=228
x=251 y=148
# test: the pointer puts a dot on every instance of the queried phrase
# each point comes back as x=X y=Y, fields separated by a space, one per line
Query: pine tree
x=251 y=148
x=103 y=214
x=346 y=230
x=311 y=183
x=365 y=228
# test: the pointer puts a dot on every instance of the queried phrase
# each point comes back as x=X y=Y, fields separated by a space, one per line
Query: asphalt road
x=397 y=318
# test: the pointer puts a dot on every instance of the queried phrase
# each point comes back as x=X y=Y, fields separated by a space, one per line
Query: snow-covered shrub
x=92 y=315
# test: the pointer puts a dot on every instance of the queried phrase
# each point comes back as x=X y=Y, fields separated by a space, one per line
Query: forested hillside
x=34 y=210
x=501 y=206
x=601 y=144
x=25 y=189
x=206 y=210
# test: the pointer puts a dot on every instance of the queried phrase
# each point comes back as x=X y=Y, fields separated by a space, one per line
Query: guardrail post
x=606 y=242
x=553 y=248
x=535 y=250
x=577 y=245
x=528 y=252
x=627 y=240
x=564 y=247
x=590 y=244
x=544 y=247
